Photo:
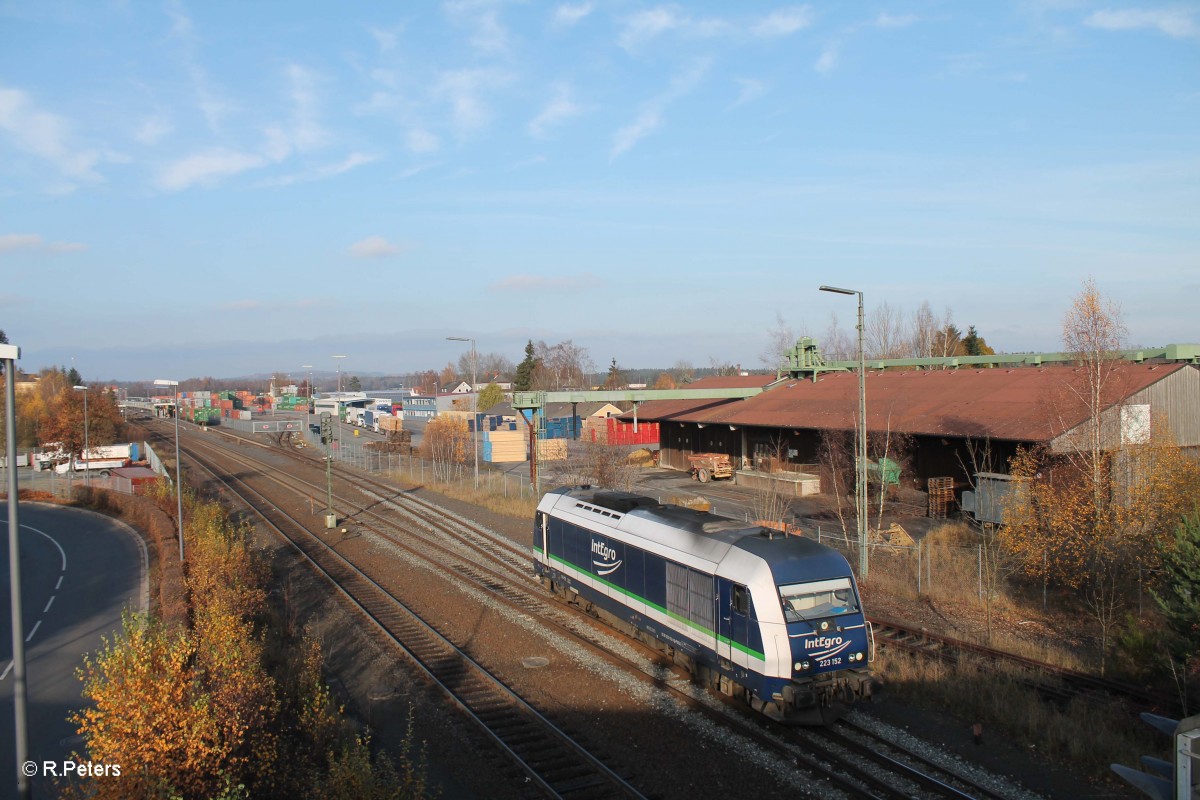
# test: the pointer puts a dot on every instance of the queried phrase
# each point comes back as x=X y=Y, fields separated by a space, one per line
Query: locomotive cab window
x=804 y=601
x=741 y=599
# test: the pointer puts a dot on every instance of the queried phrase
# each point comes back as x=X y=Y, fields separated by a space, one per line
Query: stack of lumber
x=502 y=447
x=391 y=423
x=552 y=449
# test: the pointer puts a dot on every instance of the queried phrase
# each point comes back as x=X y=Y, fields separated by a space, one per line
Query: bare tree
x=884 y=334
x=561 y=366
x=780 y=339
x=598 y=464
x=837 y=453
x=924 y=335
x=683 y=372
x=838 y=344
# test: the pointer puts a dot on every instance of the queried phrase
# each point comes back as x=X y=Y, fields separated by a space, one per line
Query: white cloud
x=373 y=247
x=417 y=170
x=206 y=168
x=751 y=91
x=321 y=173
x=307 y=133
x=886 y=20
x=783 y=22
x=19 y=241
x=420 y=140
x=242 y=305
x=31 y=241
x=152 y=130
x=46 y=136
x=827 y=60
x=212 y=106
x=462 y=90
x=567 y=15
x=545 y=283
x=646 y=25
x=1178 y=23
x=645 y=124
x=560 y=109
x=650 y=117
x=384 y=39
x=489 y=35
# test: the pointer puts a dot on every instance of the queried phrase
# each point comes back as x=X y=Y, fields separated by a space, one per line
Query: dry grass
x=517 y=506
x=1085 y=735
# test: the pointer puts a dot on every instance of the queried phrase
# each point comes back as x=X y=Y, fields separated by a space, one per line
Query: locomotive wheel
x=702 y=474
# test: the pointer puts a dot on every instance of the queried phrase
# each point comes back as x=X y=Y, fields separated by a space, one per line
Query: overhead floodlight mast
x=9 y=353
x=474 y=403
x=860 y=489
x=178 y=464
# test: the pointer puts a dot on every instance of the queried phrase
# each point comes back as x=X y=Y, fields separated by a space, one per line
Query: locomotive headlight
x=801 y=666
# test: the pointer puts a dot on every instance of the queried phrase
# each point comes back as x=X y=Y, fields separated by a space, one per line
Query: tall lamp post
x=87 y=471
x=9 y=354
x=860 y=489
x=474 y=403
x=178 y=464
x=308 y=406
x=338 y=361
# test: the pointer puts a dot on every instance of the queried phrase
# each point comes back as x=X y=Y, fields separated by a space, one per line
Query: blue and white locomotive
x=750 y=612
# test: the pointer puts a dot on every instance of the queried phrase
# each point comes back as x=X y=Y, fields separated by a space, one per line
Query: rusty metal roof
x=1020 y=404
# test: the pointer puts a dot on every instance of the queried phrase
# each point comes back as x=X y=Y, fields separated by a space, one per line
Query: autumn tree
x=664 y=381
x=975 y=345
x=490 y=395
x=63 y=419
x=947 y=342
x=446 y=441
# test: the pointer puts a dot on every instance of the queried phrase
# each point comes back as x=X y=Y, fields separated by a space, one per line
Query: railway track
x=859 y=764
x=548 y=756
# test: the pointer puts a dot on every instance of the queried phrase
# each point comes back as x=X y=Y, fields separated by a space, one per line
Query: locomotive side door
x=733 y=621
x=724 y=618
x=739 y=613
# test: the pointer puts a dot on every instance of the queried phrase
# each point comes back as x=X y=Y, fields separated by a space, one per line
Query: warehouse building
x=945 y=420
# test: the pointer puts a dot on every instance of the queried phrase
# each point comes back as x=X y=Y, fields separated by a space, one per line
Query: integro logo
x=604 y=558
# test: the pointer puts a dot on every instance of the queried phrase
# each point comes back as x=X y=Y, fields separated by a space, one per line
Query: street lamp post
x=9 y=354
x=308 y=405
x=474 y=403
x=178 y=463
x=338 y=360
x=87 y=471
x=860 y=490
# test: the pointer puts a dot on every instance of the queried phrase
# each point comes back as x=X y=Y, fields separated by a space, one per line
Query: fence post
x=1045 y=578
x=919 y=565
x=980 y=571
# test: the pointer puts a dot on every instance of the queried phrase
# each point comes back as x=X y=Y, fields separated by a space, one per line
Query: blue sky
x=223 y=188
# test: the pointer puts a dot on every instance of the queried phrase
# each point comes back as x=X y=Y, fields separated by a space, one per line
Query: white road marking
x=58 y=585
x=36 y=625
x=7 y=670
x=49 y=603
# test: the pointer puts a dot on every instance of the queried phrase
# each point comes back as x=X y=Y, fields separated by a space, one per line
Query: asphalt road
x=79 y=571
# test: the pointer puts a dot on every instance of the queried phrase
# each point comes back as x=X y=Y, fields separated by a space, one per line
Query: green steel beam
x=804 y=360
x=533 y=400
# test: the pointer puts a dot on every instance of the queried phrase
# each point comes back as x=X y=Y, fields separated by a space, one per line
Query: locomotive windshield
x=803 y=601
